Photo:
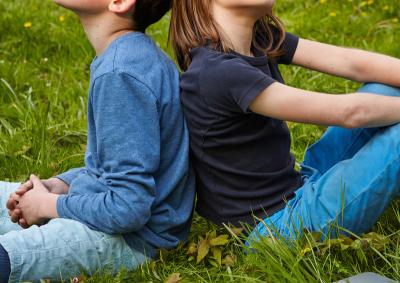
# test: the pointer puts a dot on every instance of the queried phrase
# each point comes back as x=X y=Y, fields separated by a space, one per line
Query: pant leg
x=353 y=193
x=6 y=225
x=342 y=171
x=338 y=143
x=63 y=248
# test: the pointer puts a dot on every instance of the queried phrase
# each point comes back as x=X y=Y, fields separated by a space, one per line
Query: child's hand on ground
x=37 y=204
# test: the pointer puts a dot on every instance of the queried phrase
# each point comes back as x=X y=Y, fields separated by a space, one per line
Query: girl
x=236 y=105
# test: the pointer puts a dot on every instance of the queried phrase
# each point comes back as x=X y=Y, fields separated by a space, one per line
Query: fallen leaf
x=204 y=248
x=229 y=260
x=221 y=240
x=192 y=248
x=174 y=278
x=217 y=254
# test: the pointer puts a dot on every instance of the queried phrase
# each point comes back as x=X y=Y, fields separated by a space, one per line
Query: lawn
x=44 y=69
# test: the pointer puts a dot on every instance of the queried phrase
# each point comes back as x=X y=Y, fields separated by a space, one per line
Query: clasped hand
x=26 y=206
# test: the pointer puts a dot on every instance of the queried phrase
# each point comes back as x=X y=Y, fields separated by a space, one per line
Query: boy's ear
x=121 y=6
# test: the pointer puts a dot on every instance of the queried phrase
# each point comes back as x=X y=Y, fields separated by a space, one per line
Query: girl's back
x=236 y=103
x=242 y=159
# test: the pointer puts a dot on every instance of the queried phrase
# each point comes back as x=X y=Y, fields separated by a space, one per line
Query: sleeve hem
x=60 y=206
x=253 y=92
x=69 y=176
x=290 y=47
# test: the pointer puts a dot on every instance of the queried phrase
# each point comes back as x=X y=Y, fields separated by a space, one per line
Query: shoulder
x=211 y=66
x=136 y=55
x=121 y=84
x=212 y=59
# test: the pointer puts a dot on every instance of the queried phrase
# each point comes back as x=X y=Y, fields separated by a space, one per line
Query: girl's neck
x=103 y=29
x=236 y=27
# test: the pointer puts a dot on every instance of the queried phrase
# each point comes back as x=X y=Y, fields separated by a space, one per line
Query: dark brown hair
x=192 y=25
x=148 y=12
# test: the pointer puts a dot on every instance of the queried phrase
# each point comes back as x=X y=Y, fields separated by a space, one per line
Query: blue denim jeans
x=61 y=248
x=350 y=177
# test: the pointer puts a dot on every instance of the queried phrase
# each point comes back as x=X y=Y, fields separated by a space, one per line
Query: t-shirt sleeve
x=289 y=48
x=289 y=45
x=236 y=82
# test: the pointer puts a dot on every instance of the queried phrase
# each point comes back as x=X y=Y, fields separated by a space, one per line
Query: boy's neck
x=237 y=28
x=103 y=29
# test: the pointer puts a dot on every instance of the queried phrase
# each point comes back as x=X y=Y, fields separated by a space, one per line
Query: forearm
x=355 y=110
x=108 y=212
x=115 y=204
x=374 y=67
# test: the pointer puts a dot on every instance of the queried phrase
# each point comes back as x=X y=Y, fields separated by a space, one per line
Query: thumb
x=37 y=183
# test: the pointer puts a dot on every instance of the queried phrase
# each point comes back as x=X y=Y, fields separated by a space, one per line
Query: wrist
x=57 y=186
x=48 y=207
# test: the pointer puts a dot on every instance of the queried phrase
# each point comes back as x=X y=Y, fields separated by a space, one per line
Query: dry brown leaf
x=174 y=278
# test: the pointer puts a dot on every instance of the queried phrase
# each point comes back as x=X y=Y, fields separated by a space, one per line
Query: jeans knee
x=380 y=89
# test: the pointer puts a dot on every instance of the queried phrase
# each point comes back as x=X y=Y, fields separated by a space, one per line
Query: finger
x=37 y=184
x=12 y=212
x=24 y=188
x=12 y=201
x=22 y=222
x=16 y=215
x=35 y=181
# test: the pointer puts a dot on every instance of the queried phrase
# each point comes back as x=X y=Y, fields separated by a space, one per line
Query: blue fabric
x=5 y=267
x=350 y=177
x=136 y=180
x=62 y=248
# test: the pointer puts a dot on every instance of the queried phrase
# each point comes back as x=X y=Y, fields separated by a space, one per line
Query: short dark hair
x=148 y=12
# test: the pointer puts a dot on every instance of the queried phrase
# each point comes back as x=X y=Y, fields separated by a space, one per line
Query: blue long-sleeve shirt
x=136 y=181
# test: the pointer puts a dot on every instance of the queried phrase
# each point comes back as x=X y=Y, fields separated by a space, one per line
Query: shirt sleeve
x=127 y=131
x=289 y=45
x=240 y=82
x=289 y=48
x=69 y=176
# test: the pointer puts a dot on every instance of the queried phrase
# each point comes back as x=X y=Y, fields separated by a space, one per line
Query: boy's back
x=137 y=154
x=136 y=191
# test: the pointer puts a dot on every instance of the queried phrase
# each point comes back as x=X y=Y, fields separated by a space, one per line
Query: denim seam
x=362 y=192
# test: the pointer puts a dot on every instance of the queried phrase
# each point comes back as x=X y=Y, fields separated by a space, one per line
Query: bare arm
x=353 y=64
x=350 y=111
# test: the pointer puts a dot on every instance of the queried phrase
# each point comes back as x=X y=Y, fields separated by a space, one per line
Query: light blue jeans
x=350 y=177
x=61 y=248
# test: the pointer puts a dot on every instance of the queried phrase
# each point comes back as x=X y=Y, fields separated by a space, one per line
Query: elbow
x=129 y=222
x=354 y=116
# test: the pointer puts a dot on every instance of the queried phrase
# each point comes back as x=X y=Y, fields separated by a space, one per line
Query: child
x=135 y=193
x=236 y=104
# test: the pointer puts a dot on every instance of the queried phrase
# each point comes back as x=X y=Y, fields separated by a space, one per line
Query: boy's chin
x=83 y=7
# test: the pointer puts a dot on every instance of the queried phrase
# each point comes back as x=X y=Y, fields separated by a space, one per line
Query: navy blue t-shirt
x=242 y=160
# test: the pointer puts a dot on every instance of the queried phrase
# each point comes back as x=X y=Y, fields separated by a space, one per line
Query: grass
x=44 y=71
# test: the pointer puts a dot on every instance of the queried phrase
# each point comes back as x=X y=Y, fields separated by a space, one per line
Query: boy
x=136 y=192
